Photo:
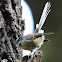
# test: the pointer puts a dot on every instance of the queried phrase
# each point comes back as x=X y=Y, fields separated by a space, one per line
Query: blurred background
x=52 y=51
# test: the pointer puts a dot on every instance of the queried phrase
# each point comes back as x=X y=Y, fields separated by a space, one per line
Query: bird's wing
x=43 y=16
x=35 y=35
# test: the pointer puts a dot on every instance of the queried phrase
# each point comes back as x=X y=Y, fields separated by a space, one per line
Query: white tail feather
x=44 y=15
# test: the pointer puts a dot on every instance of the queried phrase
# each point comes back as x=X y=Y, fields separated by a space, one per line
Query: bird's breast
x=38 y=41
x=28 y=45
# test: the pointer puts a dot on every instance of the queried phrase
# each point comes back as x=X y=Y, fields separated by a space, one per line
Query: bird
x=33 y=42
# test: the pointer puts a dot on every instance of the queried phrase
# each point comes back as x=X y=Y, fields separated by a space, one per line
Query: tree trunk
x=11 y=27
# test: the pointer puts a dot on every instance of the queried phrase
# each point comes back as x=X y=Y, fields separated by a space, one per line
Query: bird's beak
x=46 y=40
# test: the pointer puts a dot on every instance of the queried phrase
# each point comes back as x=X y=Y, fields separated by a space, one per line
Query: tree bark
x=11 y=27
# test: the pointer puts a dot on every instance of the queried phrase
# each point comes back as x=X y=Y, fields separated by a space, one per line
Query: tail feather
x=43 y=16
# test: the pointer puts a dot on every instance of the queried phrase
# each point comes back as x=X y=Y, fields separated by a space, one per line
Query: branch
x=36 y=58
x=12 y=27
